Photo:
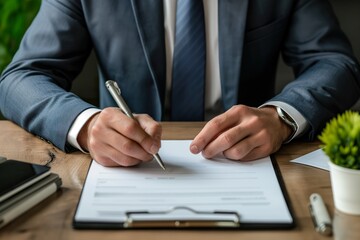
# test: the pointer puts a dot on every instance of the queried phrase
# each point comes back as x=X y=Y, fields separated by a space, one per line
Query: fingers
x=111 y=157
x=151 y=127
x=131 y=129
x=242 y=133
x=227 y=140
x=211 y=131
x=116 y=139
x=250 y=148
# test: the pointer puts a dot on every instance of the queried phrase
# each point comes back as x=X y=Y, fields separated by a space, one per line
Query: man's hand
x=113 y=139
x=242 y=133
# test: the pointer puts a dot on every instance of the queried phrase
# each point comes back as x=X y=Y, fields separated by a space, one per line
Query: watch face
x=287 y=119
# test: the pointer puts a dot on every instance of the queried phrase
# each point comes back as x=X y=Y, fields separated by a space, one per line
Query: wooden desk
x=52 y=218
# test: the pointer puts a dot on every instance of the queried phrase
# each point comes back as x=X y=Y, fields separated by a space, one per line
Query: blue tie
x=188 y=82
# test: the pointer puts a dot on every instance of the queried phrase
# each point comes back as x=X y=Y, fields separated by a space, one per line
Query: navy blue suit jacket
x=128 y=39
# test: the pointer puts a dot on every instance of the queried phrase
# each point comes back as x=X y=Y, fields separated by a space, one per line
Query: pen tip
x=160 y=162
x=162 y=165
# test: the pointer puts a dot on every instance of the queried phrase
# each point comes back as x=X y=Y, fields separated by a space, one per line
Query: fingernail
x=194 y=149
x=154 y=149
x=204 y=155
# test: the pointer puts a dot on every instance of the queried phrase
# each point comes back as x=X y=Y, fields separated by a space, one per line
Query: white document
x=316 y=159
x=251 y=189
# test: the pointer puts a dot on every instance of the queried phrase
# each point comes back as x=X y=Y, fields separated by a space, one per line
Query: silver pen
x=320 y=215
x=116 y=94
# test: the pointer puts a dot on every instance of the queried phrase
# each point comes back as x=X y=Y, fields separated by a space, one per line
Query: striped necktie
x=188 y=79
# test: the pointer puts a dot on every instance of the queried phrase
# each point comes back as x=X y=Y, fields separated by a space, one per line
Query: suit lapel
x=149 y=18
x=232 y=22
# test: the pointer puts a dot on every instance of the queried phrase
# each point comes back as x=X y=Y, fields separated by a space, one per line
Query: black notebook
x=22 y=186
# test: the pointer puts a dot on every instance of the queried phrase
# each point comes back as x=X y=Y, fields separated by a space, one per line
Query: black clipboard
x=222 y=220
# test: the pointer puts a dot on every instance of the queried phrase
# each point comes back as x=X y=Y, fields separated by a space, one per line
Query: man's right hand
x=114 y=139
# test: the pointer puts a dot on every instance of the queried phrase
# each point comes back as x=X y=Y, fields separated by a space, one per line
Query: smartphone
x=17 y=175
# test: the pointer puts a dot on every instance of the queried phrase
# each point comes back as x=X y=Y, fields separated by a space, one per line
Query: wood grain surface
x=52 y=218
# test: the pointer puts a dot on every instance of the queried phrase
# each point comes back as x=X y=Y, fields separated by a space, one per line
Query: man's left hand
x=242 y=133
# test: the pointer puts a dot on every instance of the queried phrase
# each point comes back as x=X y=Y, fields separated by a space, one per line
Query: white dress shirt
x=213 y=87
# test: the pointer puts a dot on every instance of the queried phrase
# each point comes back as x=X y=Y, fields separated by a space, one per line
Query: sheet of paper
x=249 y=188
x=316 y=159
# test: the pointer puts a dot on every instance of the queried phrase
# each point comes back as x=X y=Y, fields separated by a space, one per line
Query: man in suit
x=244 y=39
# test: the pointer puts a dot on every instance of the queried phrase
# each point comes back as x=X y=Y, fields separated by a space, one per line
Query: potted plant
x=341 y=143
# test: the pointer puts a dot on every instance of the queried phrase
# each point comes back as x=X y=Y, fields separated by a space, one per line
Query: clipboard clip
x=161 y=219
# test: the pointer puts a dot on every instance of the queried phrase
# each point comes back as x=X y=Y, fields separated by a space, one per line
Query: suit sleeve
x=327 y=78
x=34 y=88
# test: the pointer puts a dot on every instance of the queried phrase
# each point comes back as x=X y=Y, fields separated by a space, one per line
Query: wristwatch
x=288 y=121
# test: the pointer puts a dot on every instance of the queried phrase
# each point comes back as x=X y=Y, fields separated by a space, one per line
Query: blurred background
x=16 y=15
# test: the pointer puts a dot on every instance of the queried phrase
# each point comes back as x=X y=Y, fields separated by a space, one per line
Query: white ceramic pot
x=345 y=184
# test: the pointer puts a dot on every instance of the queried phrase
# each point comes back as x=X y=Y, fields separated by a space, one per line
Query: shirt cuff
x=301 y=122
x=79 y=122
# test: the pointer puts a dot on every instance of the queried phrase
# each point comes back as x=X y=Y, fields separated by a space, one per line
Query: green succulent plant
x=341 y=140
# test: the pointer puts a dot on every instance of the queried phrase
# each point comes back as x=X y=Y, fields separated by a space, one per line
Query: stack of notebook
x=22 y=186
